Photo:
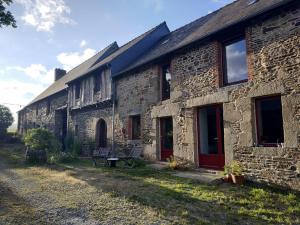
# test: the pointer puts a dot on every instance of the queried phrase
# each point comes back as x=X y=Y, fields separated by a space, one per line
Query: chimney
x=59 y=73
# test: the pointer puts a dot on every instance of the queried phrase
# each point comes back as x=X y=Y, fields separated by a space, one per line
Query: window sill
x=235 y=83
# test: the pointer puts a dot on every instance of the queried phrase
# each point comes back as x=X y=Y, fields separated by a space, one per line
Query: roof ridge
x=108 y=46
x=148 y=31
x=203 y=17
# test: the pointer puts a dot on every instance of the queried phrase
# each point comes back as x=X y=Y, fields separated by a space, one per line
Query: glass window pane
x=136 y=127
x=270 y=123
x=236 y=62
x=166 y=82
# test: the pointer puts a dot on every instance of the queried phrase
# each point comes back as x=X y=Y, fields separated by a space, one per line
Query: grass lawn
x=77 y=193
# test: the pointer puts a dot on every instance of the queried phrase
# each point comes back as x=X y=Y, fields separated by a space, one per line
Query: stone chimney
x=59 y=73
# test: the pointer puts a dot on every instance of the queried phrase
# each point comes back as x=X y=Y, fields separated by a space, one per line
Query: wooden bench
x=101 y=154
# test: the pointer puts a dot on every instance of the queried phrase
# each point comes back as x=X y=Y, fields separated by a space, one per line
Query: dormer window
x=77 y=90
x=235 y=62
x=165 y=82
x=97 y=83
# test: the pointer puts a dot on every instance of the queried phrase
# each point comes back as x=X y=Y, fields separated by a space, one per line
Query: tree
x=6 y=18
x=6 y=119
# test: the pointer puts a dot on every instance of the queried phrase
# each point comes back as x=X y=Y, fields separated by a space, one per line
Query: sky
x=63 y=33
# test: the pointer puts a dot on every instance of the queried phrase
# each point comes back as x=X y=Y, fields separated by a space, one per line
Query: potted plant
x=227 y=174
x=237 y=173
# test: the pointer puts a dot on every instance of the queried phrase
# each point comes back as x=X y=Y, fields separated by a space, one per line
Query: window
x=165 y=82
x=97 y=83
x=134 y=127
x=77 y=90
x=235 y=62
x=269 y=121
x=48 y=107
x=37 y=110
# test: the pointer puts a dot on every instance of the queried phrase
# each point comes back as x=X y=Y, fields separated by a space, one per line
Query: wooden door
x=210 y=137
x=166 y=135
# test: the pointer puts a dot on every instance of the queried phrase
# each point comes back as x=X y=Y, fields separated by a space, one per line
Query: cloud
x=15 y=94
x=19 y=85
x=36 y=72
x=73 y=59
x=45 y=14
x=83 y=43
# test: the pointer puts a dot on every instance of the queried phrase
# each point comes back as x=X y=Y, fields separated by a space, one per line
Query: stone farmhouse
x=224 y=87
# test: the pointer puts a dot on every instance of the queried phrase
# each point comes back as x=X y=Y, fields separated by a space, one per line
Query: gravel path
x=47 y=210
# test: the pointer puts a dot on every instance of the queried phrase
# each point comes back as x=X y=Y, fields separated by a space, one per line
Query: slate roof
x=227 y=16
x=121 y=50
x=60 y=84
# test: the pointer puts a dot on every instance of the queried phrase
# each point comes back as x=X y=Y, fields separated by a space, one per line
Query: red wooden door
x=210 y=137
x=166 y=138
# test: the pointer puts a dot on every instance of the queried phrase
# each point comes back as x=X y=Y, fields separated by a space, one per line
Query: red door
x=166 y=136
x=210 y=137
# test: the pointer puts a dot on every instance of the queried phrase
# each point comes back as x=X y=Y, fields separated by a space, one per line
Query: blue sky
x=63 y=33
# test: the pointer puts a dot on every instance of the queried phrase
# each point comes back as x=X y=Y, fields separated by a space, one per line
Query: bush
x=61 y=157
x=73 y=146
x=41 y=139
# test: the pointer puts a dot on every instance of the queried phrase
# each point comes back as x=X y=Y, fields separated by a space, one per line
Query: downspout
x=113 y=115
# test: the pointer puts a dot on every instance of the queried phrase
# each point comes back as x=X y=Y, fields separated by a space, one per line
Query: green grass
x=146 y=196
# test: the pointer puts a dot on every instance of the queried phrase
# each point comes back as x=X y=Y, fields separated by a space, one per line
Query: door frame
x=213 y=161
x=101 y=135
x=168 y=152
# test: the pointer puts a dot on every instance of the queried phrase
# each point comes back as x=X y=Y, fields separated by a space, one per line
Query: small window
x=48 y=107
x=77 y=90
x=97 y=83
x=165 y=82
x=37 y=110
x=134 y=127
x=269 y=121
x=235 y=62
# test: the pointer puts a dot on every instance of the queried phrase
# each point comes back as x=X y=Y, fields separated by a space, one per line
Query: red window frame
x=258 y=119
x=224 y=79
x=131 y=128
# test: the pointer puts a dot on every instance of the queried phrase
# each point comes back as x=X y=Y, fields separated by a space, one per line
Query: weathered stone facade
x=273 y=66
x=273 y=58
x=45 y=113
x=136 y=94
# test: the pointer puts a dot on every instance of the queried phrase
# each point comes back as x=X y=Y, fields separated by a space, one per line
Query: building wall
x=273 y=66
x=87 y=94
x=136 y=94
x=30 y=117
x=86 y=120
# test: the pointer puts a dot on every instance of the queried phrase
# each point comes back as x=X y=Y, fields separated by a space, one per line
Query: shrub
x=61 y=157
x=41 y=139
x=73 y=145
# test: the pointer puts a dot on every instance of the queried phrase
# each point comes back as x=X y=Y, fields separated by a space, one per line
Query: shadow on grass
x=15 y=210
x=185 y=201
x=192 y=201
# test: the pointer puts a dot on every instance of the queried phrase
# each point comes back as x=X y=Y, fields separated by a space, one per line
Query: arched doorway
x=101 y=134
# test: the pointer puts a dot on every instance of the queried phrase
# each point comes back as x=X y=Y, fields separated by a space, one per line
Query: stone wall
x=86 y=119
x=273 y=65
x=37 y=114
x=136 y=94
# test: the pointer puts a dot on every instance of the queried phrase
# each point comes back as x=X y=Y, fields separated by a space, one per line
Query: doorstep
x=199 y=174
